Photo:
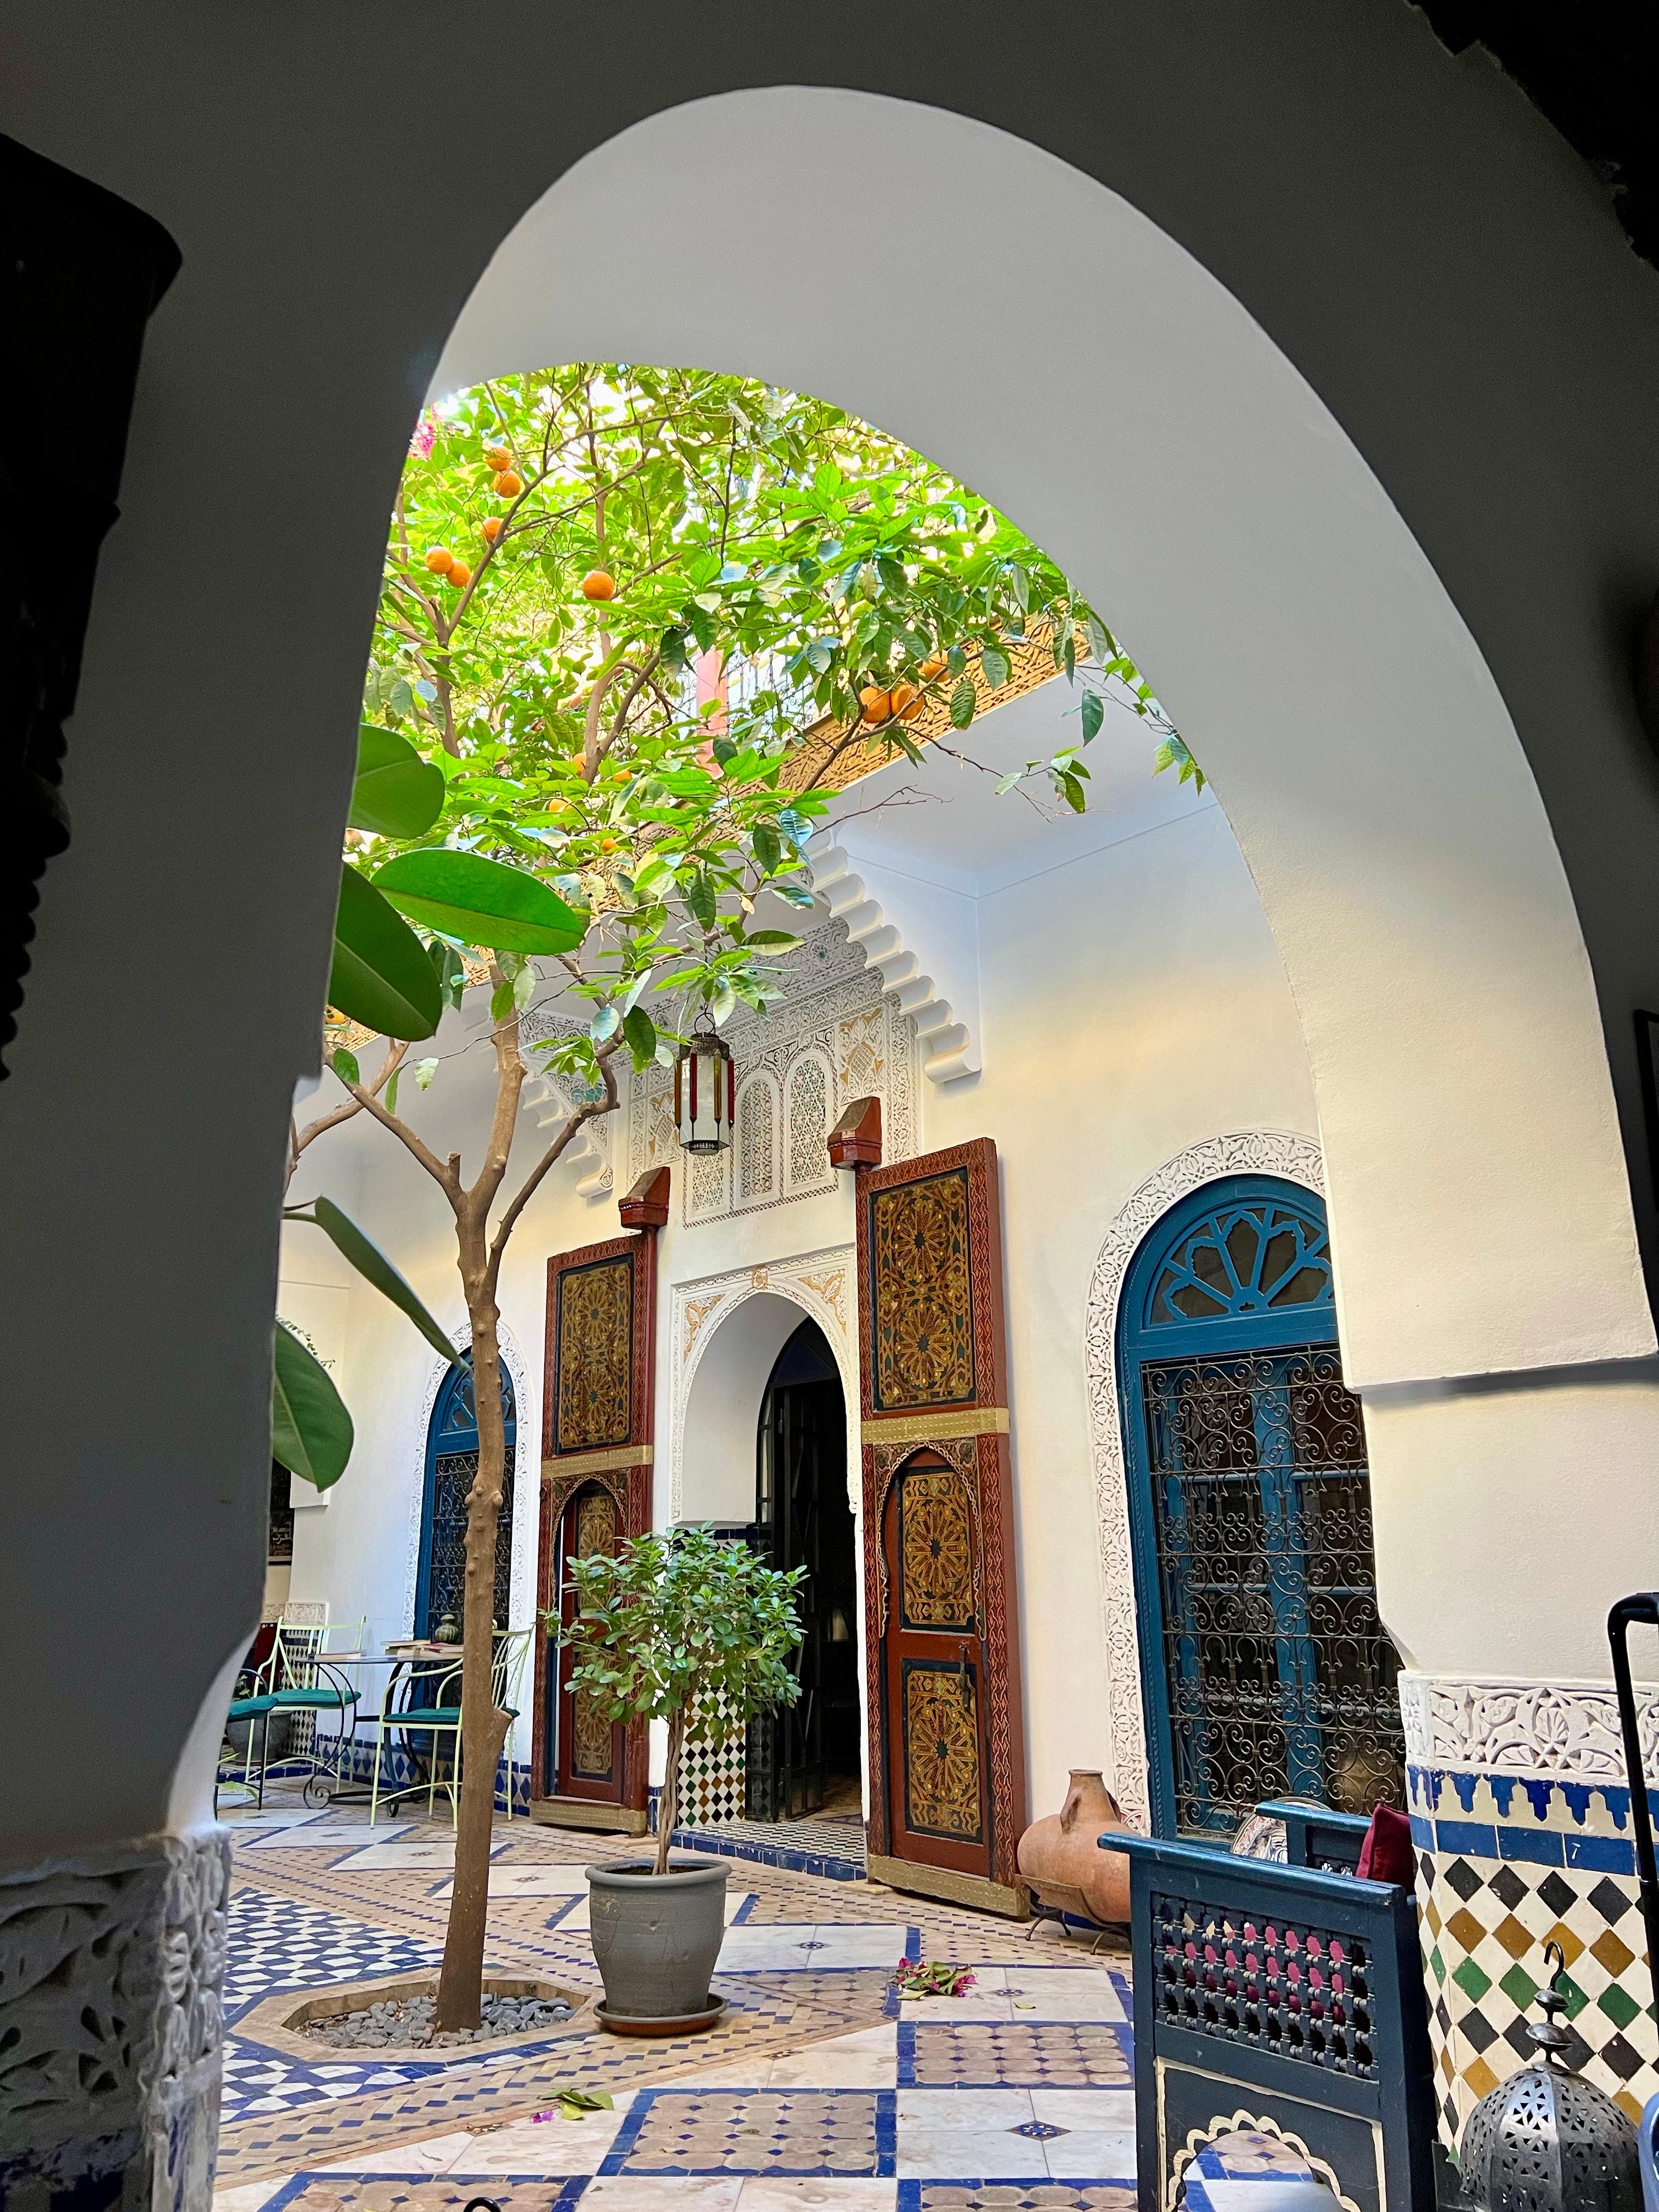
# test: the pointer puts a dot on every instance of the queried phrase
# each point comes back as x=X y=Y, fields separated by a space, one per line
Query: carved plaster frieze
x=834 y=1036
x=1559 y=1731
x=1245 y=1151
x=111 y=2028
x=819 y=1283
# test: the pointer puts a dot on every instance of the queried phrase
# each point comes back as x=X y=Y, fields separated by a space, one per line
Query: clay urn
x=1063 y=1863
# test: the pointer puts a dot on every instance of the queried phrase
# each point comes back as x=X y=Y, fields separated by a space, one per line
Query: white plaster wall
x=1134 y=1002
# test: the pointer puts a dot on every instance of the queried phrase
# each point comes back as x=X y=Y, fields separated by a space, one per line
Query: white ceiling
x=944 y=822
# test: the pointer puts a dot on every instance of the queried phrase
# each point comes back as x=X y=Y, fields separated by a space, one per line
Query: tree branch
x=446 y=1176
x=533 y=1182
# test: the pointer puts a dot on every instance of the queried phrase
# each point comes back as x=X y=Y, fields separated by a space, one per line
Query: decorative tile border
x=1507 y=1863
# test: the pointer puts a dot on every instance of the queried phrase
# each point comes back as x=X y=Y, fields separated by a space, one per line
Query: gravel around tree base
x=406 y=2023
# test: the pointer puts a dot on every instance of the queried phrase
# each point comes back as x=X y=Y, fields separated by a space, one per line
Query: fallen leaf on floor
x=933 y=1977
x=576 y=2104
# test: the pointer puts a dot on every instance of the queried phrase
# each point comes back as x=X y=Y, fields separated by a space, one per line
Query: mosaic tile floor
x=819 y=2093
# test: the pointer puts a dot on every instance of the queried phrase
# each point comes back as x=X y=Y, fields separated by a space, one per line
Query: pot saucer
x=684 y=2023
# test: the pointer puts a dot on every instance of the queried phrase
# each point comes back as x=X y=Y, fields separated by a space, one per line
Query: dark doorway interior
x=805 y=1759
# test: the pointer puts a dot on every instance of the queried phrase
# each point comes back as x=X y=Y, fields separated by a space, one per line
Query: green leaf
x=1093 y=711
x=311 y=1430
x=450 y=969
x=1019 y=583
x=423 y=1071
x=573 y=2103
x=395 y=794
x=481 y=901
x=772 y=937
x=372 y=1263
x=640 y=1032
x=700 y=896
x=768 y=851
x=392 y=1089
x=345 y=1065
x=1101 y=644
x=963 y=701
x=500 y=1002
x=994 y=663
x=381 y=976
x=524 y=986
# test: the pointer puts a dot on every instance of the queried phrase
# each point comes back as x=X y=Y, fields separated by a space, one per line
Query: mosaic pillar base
x=111 y=1967
x=1521 y=1817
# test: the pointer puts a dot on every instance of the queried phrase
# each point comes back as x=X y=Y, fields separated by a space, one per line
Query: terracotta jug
x=1060 y=1859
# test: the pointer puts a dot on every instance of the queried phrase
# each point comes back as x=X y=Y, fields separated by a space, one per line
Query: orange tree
x=541 y=797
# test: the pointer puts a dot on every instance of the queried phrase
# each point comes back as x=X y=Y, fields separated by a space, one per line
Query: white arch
x=1144 y=428
x=719 y=1373
x=1249 y=1152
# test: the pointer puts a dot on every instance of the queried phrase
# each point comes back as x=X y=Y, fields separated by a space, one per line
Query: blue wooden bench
x=1279 y=2000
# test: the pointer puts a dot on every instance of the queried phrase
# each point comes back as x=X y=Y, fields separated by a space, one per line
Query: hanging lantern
x=705 y=1094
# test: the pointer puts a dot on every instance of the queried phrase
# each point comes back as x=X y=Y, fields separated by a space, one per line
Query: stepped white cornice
x=926 y=951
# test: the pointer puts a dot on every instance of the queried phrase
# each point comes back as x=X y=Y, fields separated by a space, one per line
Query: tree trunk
x=484 y=1725
x=668 y=1803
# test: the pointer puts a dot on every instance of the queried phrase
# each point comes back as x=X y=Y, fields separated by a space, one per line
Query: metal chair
x=305 y=1676
x=1645 y=2152
x=442 y=1717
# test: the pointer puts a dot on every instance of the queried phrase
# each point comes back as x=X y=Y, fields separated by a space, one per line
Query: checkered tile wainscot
x=1510 y=1860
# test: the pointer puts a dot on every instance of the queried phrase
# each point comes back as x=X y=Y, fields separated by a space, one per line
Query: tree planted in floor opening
x=625 y=614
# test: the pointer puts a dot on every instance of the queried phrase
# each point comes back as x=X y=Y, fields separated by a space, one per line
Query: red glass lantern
x=705 y=1094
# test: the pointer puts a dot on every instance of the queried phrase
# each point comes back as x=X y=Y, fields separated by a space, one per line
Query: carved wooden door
x=589 y=1750
x=946 y=1753
x=597 y=1402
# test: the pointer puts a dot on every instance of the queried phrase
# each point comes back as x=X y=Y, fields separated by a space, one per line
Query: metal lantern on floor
x=1546 y=2141
x=705 y=1094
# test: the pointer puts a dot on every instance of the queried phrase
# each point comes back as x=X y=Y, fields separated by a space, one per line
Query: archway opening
x=807 y=1759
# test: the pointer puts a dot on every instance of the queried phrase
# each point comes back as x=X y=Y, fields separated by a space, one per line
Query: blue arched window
x=452 y=1461
x=1264 y=1669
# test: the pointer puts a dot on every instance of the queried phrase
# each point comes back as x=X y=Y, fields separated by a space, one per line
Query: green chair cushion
x=319 y=1700
x=249 y=1709
x=443 y=1716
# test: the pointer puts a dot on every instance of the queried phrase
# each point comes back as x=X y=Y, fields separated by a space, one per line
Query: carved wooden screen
x=597 y=1401
x=947 y=1768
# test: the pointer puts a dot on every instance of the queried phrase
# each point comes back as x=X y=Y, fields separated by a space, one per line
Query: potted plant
x=685 y=1628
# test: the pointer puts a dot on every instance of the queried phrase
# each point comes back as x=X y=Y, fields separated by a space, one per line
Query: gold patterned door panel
x=590 y=1748
x=947 y=1764
x=938 y=1774
x=597 y=1431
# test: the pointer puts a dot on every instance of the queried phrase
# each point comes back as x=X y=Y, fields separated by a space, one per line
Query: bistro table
x=411 y=1656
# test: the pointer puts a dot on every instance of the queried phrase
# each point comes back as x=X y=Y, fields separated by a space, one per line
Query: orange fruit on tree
x=498 y=457
x=906 y=702
x=459 y=574
x=607 y=844
x=877 y=704
x=933 y=666
x=441 y=560
x=509 y=484
x=492 y=528
x=599 y=584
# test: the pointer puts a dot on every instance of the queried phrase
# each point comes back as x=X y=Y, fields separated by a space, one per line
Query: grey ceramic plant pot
x=656 y=1937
